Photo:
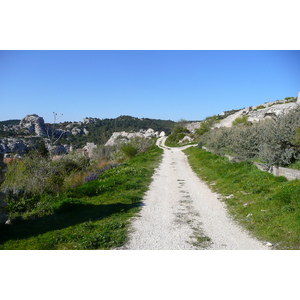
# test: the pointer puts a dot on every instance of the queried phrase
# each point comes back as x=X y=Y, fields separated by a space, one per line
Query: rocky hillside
x=191 y=130
x=124 y=137
x=261 y=112
x=18 y=137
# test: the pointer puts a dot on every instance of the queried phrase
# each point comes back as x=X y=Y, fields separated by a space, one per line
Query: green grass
x=295 y=165
x=170 y=143
x=93 y=216
x=268 y=206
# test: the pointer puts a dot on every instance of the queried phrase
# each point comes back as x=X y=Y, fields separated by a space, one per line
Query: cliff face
x=34 y=124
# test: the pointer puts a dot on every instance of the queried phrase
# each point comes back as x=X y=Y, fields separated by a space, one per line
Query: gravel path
x=180 y=212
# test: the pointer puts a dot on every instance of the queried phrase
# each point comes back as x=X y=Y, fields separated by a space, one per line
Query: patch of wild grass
x=268 y=206
x=94 y=215
x=295 y=165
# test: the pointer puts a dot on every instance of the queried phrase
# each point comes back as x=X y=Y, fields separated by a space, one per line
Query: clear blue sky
x=152 y=84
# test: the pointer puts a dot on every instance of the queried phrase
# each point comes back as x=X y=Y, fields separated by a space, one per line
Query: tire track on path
x=180 y=212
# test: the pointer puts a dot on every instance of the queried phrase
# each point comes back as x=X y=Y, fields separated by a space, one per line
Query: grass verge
x=94 y=215
x=169 y=143
x=268 y=206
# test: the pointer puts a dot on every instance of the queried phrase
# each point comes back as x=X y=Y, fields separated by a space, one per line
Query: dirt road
x=180 y=212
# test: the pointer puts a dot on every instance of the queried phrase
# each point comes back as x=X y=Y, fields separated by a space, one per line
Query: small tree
x=242 y=120
x=42 y=149
x=51 y=132
x=206 y=125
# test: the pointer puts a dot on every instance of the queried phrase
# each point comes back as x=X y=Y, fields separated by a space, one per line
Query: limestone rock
x=13 y=145
x=149 y=133
x=256 y=114
x=34 y=124
x=89 y=147
x=274 y=110
x=192 y=126
x=89 y=120
x=85 y=131
x=187 y=139
x=76 y=130
x=124 y=137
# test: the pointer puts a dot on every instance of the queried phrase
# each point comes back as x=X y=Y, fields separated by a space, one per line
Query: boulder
x=89 y=147
x=76 y=131
x=149 y=133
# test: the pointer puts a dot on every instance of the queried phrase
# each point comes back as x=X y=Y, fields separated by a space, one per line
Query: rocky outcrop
x=192 y=126
x=187 y=139
x=89 y=147
x=89 y=120
x=34 y=124
x=274 y=110
x=57 y=149
x=3 y=204
x=125 y=137
x=77 y=130
x=13 y=145
x=227 y=122
x=259 y=112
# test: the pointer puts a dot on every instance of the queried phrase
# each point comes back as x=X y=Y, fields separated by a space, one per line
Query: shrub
x=129 y=150
x=242 y=120
x=275 y=141
x=206 y=125
x=259 y=107
x=105 y=153
x=276 y=147
x=36 y=175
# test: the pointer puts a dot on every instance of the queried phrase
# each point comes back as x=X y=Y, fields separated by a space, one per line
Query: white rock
x=34 y=124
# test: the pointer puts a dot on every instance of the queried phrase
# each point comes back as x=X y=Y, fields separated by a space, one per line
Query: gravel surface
x=180 y=212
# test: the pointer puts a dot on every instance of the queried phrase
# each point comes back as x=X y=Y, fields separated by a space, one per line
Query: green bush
x=242 y=120
x=129 y=150
x=274 y=142
x=178 y=133
x=259 y=107
x=206 y=125
x=94 y=215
